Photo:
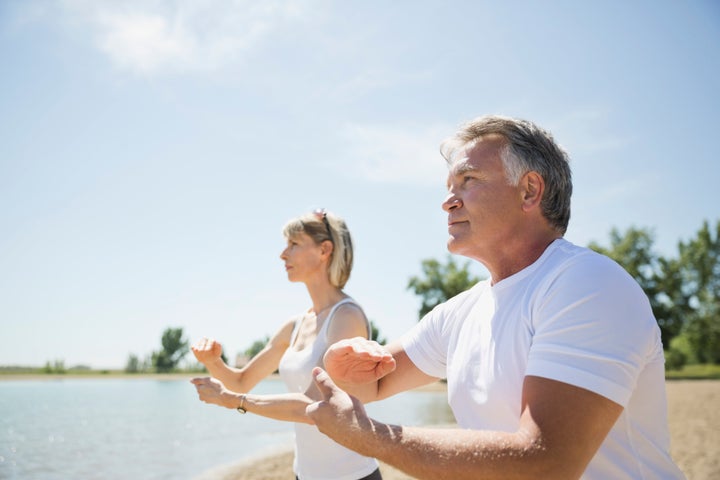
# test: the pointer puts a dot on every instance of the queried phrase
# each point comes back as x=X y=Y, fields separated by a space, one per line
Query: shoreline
x=50 y=377
x=99 y=376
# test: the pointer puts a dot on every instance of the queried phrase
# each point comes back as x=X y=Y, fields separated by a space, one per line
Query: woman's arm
x=226 y=388
x=208 y=352
x=289 y=407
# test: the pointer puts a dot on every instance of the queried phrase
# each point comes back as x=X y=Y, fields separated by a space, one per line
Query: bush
x=674 y=359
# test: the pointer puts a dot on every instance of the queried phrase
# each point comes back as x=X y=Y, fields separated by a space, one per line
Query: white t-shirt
x=574 y=316
x=317 y=457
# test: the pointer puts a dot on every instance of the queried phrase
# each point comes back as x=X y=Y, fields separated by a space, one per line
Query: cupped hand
x=358 y=361
x=207 y=350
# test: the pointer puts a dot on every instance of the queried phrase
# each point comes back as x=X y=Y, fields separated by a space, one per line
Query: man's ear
x=533 y=187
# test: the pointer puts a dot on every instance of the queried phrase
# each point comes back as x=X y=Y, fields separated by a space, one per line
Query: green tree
x=256 y=347
x=174 y=348
x=440 y=282
x=698 y=271
x=58 y=366
x=133 y=364
x=375 y=334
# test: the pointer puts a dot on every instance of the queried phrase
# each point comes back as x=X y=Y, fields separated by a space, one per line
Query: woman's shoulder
x=348 y=304
x=347 y=320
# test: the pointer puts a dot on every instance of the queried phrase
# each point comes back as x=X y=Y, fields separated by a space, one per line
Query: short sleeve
x=593 y=329
x=427 y=343
x=425 y=348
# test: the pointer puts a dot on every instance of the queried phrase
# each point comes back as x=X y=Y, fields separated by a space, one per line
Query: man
x=554 y=365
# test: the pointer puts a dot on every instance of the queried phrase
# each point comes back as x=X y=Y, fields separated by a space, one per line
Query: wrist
x=241 y=403
x=216 y=362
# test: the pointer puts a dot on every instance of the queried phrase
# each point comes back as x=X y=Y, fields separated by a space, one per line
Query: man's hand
x=337 y=415
x=211 y=390
x=207 y=351
x=358 y=361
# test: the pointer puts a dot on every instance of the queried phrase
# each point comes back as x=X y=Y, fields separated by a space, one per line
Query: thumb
x=324 y=383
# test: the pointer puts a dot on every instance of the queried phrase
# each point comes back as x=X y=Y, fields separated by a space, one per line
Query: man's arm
x=561 y=428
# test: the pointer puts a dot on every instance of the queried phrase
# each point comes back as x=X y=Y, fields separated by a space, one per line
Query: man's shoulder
x=462 y=301
x=566 y=256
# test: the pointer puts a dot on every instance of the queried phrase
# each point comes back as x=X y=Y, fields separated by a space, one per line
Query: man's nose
x=451 y=202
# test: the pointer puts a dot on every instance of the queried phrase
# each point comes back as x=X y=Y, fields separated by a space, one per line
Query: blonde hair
x=323 y=226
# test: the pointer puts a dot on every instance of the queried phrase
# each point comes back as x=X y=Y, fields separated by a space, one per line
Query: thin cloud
x=396 y=155
x=587 y=132
x=156 y=37
x=374 y=78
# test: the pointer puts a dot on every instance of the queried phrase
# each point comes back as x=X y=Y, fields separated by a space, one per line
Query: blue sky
x=150 y=151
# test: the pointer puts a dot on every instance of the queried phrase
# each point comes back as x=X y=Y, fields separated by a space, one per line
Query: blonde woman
x=319 y=253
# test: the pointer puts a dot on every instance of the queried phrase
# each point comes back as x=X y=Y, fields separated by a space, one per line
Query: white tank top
x=317 y=457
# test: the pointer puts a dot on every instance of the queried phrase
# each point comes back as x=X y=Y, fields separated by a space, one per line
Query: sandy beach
x=694 y=427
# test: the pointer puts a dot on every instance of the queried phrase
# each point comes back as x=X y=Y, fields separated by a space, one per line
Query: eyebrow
x=460 y=168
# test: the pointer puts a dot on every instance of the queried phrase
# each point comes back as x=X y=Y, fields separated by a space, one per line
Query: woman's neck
x=324 y=297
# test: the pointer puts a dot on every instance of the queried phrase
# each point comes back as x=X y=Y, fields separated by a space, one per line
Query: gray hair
x=336 y=231
x=527 y=148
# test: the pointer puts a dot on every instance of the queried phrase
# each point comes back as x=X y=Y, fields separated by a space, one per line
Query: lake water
x=149 y=429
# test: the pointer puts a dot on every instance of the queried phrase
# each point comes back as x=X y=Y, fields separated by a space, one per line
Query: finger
x=324 y=383
x=359 y=347
x=200 y=380
x=343 y=347
x=383 y=368
x=368 y=348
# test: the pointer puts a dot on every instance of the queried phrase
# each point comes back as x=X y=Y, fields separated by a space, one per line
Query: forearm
x=435 y=453
x=289 y=407
x=232 y=378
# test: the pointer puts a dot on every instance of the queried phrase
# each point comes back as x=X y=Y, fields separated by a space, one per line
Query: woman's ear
x=326 y=248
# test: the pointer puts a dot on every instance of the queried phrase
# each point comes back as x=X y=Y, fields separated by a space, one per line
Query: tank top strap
x=331 y=314
x=296 y=328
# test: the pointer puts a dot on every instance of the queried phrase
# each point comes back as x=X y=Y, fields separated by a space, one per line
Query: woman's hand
x=211 y=390
x=207 y=351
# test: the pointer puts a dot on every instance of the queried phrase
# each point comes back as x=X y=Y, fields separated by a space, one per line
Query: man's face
x=483 y=209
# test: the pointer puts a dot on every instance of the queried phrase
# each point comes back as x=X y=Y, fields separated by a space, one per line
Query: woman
x=319 y=254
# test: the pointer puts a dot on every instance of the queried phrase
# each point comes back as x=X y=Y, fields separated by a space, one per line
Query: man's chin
x=454 y=246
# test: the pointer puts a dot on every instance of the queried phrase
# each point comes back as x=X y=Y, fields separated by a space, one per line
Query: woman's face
x=303 y=258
